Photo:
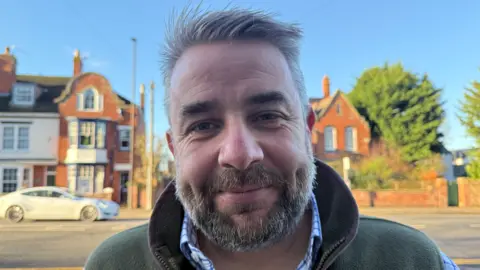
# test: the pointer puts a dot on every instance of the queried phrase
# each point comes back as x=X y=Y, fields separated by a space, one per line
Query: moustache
x=255 y=175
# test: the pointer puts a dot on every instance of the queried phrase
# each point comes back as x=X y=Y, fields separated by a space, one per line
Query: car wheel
x=88 y=213
x=14 y=214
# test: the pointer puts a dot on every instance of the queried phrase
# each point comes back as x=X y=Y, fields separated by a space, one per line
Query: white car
x=54 y=203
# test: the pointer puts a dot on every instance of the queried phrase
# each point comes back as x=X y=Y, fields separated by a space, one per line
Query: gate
x=452 y=193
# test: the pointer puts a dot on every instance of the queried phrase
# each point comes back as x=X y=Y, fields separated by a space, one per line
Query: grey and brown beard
x=255 y=233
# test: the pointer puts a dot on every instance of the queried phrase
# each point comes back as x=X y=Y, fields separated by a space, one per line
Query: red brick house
x=93 y=150
x=339 y=130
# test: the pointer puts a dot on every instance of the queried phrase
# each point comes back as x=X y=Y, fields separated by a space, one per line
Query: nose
x=240 y=148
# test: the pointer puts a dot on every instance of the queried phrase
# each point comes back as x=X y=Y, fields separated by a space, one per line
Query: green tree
x=470 y=119
x=403 y=109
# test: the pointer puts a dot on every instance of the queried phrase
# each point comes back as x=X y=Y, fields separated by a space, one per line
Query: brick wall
x=434 y=195
x=7 y=72
x=468 y=192
x=348 y=117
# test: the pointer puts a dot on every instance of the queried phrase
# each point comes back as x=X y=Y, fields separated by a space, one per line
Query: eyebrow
x=202 y=107
x=198 y=108
x=266 y=98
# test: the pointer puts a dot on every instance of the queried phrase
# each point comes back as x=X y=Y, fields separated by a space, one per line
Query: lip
x=244 y=189
x=244 y=195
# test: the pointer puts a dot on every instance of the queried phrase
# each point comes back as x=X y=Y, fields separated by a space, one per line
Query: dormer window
x=89 y=100
x=23 y=94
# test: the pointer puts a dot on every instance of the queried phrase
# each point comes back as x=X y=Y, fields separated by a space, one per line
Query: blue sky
x=342 y=39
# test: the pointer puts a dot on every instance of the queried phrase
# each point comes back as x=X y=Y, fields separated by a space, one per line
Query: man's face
x=241 y=144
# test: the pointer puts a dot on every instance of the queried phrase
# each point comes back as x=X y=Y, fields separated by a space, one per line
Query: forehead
x=228 y=73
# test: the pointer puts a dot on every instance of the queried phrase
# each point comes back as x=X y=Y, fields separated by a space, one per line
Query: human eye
x=268 y=119
x=203 y=128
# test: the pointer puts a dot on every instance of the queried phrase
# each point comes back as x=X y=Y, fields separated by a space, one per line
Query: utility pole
x=151 y=169
x=132 y=125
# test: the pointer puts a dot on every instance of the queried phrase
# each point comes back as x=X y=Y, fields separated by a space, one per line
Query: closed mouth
x=244 y=189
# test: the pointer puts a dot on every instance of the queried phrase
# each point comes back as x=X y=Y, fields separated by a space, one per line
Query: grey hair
x=194 y=27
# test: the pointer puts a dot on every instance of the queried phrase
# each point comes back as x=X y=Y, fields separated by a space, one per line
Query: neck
x=285 y=254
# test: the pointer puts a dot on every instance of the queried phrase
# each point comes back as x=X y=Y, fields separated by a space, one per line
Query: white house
x=29 y=132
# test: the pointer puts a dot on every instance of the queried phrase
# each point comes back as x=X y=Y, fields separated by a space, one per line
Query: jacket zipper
x=162 y=261
x=328 y=253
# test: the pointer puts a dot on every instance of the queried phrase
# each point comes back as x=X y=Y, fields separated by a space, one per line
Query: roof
x=320 y=105
x=44 y=80
x=50 y=87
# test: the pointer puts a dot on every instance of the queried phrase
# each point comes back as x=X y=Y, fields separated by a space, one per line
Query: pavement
x=66 y=244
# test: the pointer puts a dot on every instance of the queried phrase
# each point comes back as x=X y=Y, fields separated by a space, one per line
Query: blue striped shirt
x=190 y=249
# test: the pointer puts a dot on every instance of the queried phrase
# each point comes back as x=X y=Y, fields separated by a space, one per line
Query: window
x=23 y=94
x=330 y=135
x=99 y=178
x=86 y=178
x=9 y=180
x=16 y=137
x=338 y=109
x=350 y=139
x=87 y=134
x=124 y=137
x=8 y=138
x=23 y=138
x=101 y=134
x=89 y=100
x=73 y=133
x=36 y=193
x=26 y=178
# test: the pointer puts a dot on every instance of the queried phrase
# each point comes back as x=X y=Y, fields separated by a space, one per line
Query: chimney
x=77 y=63
x=8 y=67
x=326 y=86
x=142 y=96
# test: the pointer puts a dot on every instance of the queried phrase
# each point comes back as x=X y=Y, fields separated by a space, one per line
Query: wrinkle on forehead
x=209 y=67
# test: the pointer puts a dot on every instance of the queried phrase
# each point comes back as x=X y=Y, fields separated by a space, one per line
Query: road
x=67 y=244
x=54 y=244
x=457 y=235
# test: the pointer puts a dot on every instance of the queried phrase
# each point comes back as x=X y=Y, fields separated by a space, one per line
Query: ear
x=168 y=135
x=310 y=118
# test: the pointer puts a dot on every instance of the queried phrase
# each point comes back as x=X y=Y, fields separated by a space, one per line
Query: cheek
x=195 y=164
x=286 y=150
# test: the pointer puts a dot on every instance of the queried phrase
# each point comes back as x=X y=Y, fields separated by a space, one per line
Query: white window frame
x=353 y=138
x=101 y=134
x=99 y=138
x=19 y=176
x=333 y=135
x=96 y=179
x=93 y=135
x=30 y=176
x=123 y=129
x=16 y=136
x=97 y=100
x=28 y=89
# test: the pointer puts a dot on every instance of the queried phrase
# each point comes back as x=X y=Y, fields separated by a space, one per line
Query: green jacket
x=349 y=242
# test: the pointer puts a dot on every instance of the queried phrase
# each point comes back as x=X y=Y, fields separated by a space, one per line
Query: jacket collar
x=336 y=206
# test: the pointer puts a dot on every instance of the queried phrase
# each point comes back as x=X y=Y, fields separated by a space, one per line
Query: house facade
x=78 y=126
x=339 y=131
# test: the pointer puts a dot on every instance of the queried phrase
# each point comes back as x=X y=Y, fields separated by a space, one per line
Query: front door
x=51 y=180
x=50 y=176
x=123 y=187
